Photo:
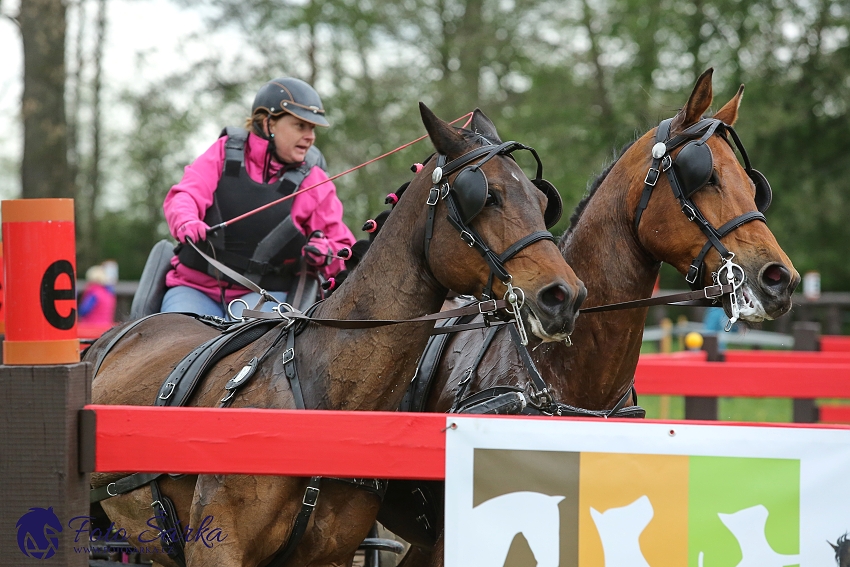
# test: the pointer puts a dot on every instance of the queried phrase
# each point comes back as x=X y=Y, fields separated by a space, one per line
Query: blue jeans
x=183 y=299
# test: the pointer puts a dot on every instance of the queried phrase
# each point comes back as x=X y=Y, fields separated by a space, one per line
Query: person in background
x=273 y=156
x=97 y=302
x=714 y=322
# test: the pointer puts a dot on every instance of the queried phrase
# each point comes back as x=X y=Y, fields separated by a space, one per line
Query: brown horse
x=406 y=274
x=619 y=260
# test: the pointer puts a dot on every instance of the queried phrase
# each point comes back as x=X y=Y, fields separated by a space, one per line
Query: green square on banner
x=743 y=511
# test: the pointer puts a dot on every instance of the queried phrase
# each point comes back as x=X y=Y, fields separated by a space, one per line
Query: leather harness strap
x=308 y=504
x=311 y=493
x=171 y=536
x=471 y=372
x=122 y=486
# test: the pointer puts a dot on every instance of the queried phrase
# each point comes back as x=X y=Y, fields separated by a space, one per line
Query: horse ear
x=445 y=139
x=480 y=124
x=697 y=104
x=729 y=113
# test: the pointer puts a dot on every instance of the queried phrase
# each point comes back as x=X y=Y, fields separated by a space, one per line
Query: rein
x=459 y=198
x=227 y=223
x=706 y=296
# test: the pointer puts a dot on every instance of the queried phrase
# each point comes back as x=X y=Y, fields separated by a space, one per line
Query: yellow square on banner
x=633 y=505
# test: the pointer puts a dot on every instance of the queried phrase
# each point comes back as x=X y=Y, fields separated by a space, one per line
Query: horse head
x=691 y=163
x=488 y=215
x=842 y=551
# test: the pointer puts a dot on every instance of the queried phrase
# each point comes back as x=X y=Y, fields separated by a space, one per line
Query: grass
x=769 y=410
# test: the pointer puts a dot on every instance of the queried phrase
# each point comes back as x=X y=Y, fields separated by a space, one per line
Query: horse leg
x=247 y=517
x=341 y=521
x=132 y=512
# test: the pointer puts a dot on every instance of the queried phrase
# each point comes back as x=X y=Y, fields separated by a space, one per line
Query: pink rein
x=338 y=175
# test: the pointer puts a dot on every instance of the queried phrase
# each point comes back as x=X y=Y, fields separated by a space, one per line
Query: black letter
x=50 y=295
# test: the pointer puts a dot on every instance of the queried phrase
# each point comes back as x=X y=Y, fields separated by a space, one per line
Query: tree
x=44 y=168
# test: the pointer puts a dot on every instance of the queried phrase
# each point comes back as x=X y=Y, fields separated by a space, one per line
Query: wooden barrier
x=261 y=441
x=283 y=442
x=803 y=375
x=835 y=343
x=38 y=453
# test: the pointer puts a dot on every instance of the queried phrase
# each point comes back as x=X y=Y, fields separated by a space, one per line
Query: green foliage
x=577 y=79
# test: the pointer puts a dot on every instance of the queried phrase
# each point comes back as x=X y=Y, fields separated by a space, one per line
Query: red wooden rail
x=830 y=413
x=755 y=373
x=835 y=343
x=780 y=379
x=257 y=441
x=284 y=442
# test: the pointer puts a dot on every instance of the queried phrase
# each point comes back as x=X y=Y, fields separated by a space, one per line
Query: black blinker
x=470 y=190
x=694 y=165
x=554 y=205
x=764 y=194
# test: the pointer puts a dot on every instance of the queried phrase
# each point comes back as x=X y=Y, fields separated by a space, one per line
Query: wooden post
x=704 y=407
x=39 y=465
x=807 y=338
x=665 y=345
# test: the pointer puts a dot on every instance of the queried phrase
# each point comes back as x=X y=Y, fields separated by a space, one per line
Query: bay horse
x=618 y=256
x=411 y=266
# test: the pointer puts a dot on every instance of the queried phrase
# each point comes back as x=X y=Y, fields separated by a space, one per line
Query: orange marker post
x=2 y=297
x=39 y=254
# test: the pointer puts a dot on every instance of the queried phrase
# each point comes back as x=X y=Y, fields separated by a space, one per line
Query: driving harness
x=179 y=386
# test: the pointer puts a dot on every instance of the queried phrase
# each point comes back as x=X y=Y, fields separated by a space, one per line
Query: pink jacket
x=317 y=209
x=97 y=305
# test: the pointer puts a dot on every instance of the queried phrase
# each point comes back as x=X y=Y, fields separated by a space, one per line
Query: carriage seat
x=148 y=297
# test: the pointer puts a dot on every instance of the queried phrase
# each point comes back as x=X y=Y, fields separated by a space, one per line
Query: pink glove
x=318 y=251
x=194 y=229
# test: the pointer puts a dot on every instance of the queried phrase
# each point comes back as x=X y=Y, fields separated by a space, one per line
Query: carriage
x=472 y=222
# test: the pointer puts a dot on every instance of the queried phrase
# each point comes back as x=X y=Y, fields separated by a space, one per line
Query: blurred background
x=106 y=101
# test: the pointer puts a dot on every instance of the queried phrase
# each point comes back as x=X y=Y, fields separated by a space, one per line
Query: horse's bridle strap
x=712 y=292
x=662 y=162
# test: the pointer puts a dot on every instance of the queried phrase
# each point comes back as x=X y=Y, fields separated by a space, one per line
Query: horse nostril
x=776 y=277
x=555 y=297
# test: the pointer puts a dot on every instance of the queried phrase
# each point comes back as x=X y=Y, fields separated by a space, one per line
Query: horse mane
x=591 y=191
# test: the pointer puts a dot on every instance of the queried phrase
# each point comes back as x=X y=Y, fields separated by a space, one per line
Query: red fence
x=257 y=441
x=802 y=375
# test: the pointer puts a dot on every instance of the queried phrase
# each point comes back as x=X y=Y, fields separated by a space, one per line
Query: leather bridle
x=697 y=136
x=689 y=172
x=462 y=199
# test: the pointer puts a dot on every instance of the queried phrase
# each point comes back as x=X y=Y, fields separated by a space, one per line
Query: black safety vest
x=266 y=247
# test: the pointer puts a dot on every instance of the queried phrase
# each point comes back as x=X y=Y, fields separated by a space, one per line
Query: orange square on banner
x=632 y=505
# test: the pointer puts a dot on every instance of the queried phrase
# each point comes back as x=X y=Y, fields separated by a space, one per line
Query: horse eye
x=491 y=199
x=714 y=180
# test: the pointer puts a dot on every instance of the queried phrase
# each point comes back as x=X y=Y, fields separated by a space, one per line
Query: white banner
x=612 y=494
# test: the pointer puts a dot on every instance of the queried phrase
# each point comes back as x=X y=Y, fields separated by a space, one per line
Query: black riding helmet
x=291 y=95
